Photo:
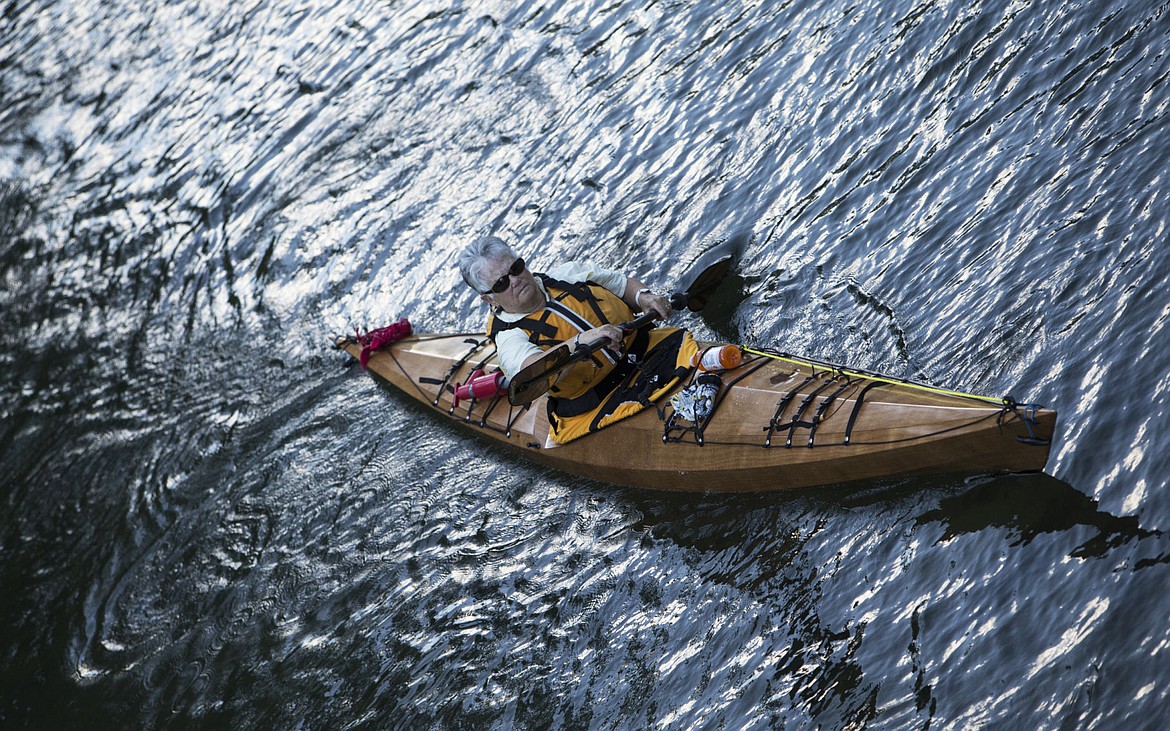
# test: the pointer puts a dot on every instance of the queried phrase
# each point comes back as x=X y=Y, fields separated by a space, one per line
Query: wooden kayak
x=779 y=422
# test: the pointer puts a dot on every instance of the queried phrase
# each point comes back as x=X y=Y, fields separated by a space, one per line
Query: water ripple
x=209 y=523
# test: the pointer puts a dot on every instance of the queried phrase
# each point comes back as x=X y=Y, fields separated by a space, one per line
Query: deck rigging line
x=871 y=376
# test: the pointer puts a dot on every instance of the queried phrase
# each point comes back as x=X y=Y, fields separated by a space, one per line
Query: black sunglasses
x=503 y=282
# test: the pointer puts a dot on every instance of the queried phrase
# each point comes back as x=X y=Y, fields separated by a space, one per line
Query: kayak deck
x=779 y=422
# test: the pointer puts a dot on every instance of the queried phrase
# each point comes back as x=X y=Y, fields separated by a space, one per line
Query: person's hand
x=656 y=303
x=611 y=335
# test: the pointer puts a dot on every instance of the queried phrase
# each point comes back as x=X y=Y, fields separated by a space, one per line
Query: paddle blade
x=534 y=381
x=711 y=268
x=706 y=282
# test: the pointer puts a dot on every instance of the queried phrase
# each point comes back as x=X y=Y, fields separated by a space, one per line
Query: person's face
x=521 y=294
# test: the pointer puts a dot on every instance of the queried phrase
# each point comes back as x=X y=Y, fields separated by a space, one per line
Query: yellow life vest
x=602 y=389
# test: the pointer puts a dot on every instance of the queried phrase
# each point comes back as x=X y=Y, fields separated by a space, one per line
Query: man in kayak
x=577 y=303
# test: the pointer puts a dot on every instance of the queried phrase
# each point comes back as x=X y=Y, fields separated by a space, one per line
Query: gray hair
x=477 y=252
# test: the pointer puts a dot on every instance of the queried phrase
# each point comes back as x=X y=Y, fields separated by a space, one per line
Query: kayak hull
x=780 y=423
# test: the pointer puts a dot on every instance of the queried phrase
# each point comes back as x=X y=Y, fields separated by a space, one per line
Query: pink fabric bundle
x=374 y=340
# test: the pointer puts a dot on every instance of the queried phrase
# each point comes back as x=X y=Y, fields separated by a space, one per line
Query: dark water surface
x=208 y=522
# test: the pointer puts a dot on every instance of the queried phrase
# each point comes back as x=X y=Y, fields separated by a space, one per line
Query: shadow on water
x=1028 y=506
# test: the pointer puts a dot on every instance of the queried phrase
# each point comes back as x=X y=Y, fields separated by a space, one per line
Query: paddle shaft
x=583 y=350
x=580 y=353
